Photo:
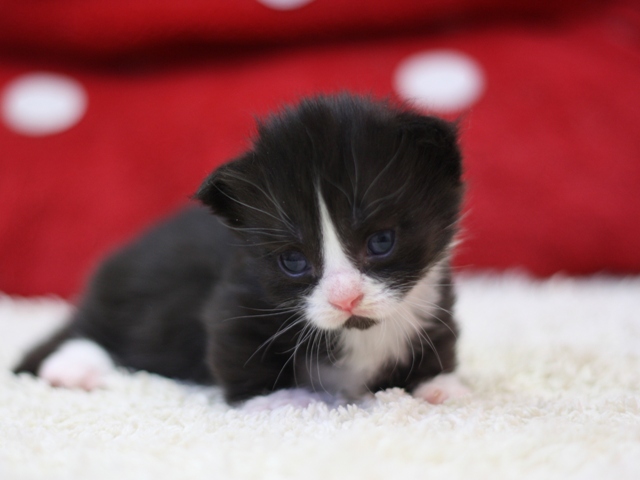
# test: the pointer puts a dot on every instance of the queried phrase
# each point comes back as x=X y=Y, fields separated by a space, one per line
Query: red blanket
x=168 y=90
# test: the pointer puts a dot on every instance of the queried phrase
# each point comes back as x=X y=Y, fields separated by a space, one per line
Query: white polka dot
x=43 y=104
x=284 y=4
x=440 y=80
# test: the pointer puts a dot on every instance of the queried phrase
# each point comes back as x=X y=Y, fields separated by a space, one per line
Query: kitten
x=329 y=269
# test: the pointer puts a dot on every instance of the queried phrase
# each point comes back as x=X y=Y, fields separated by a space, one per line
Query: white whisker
x=267 y=343
x=250 y=206
x=271 y=197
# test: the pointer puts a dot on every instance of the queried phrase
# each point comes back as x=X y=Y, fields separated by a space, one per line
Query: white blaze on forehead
x=340 y=281
x=334 y=258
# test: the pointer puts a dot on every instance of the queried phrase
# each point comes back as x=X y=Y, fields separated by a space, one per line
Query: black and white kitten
x=329 y=271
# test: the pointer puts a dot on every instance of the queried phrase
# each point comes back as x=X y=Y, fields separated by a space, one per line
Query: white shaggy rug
x=555 y=369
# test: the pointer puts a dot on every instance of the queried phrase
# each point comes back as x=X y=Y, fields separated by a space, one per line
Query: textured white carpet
x=555 y=367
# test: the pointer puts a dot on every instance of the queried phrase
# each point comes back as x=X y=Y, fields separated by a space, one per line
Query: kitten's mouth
x=359 y=323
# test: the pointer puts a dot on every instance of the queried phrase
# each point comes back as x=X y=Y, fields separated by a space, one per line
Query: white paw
x=296 y=397
x=77 y=364
x=441 y=388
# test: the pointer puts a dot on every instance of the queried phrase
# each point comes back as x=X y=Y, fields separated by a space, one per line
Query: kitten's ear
x=437 y=137
x=221 y=189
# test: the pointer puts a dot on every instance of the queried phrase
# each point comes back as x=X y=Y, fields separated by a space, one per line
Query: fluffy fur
x=329 y=270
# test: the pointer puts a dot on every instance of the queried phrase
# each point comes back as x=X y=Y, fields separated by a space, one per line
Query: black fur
x=199 y=300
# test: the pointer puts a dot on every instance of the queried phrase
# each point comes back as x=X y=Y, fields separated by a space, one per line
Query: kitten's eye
x=381 y=242
x=294 y=263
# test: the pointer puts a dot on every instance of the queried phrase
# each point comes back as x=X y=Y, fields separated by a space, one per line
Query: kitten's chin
x=359 y=323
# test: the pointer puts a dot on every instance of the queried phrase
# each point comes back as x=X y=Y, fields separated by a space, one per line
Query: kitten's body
x=331 y=271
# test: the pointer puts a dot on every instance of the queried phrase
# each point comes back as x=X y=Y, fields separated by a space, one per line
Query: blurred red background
x=552 y=143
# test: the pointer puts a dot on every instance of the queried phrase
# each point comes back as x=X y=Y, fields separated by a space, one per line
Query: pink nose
x=347 y=303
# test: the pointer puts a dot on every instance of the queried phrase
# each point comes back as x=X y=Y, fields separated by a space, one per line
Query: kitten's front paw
x=441 y=388
x=77 y=364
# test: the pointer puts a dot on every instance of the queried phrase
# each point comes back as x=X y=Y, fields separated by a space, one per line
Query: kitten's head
x=345 y=203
